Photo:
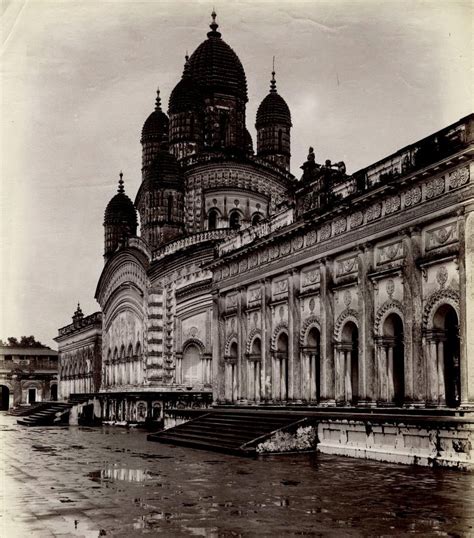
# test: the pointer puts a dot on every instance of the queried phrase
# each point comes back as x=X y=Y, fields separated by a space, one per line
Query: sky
x=78 y=79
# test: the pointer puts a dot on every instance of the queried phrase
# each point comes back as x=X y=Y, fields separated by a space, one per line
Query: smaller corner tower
x=160 y=201
x=120 y=220
x=273 y=126
x=155 y=135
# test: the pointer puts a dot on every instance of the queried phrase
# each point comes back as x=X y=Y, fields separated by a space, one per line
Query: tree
x=25 y=341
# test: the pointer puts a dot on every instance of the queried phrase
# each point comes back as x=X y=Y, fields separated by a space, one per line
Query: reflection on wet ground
x=112 y=482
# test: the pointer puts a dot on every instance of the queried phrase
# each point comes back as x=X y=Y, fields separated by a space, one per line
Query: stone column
x=415 y=362
x=294 y=322
x=267 y=356
x=367 y=390
x=466 y=289
x=241 y=377
x=312 y=376
x=257 y=381
x=440 y=365
x=218 y=351
x=305 y=380
x=432 y=370
x=328 y=391
x=382 y=373
x=339 y=374
x=390 y=385
x=348 y=379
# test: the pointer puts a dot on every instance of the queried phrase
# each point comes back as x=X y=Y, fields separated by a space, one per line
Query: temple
x=244 y=286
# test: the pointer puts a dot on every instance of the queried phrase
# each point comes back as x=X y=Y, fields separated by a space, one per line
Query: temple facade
x=360 y=293
x=230 y=281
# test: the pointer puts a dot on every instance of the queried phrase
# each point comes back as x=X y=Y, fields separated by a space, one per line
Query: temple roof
x=273 y=109
x=157 y=123
x=120 y=208
x=216 y=67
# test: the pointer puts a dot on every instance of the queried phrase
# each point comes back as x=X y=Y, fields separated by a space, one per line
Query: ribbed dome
x=164 y=171
x=273 y=109
x=157 y=123
x=185 y=96
x=216 y=67
x=120 y=209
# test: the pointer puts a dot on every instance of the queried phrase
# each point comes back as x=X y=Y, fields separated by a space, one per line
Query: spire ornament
x=158 y=101
x=214 y=26
x=120 y=187
x=273 y=88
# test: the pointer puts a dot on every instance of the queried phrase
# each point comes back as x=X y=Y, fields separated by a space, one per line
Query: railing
x=201 y=237
x=84 y=322
x=30 y=363
x=260 y=230
x=417 y=156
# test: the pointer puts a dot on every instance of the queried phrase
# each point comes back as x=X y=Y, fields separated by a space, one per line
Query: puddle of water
x=122 y=474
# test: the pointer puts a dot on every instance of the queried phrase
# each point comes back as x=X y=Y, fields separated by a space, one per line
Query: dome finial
x=120 y=187
x=214 y=26
x=273 y=87
x=158 y=100
x=186 y=64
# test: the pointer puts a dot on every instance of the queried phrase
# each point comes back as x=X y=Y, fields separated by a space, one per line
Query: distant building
x=80 y=354
x=27 y=375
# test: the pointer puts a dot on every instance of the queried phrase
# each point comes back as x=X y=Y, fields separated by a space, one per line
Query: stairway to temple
x=50 y=414
x=231 y=431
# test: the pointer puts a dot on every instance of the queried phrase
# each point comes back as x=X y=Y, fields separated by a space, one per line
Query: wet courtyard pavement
x=108 y=481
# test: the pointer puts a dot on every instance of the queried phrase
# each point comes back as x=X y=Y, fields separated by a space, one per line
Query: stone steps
x=233 y=431
x=52 y=414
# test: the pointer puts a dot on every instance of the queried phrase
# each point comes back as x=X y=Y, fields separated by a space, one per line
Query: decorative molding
x=309 y=323
x=233 y=337
x=349 y=314
x=194 y=342
x=254 y=333
x=281 y=327
x=391 y=306
x=437 y=299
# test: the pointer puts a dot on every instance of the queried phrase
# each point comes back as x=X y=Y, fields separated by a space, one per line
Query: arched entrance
x=4 y=398
x=446 y=335
x=312 y=366
x=54 y=392
x=280 y=368
x=191 y=365
x=254 y=364
x=392 y=360
x=348 y=369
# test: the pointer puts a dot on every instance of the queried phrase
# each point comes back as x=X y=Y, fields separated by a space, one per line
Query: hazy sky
x=78 y=79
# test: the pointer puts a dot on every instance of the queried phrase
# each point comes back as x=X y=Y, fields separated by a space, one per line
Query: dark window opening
x=234 y=220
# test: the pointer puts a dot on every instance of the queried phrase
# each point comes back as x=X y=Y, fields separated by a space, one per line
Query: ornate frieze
x=231 y=302
x=356 y=219
x=412 y=196
x=389 y=253
x=459 y=177
x=340 y=226
x=374 y=212
x=346 y=266
x=310 y=278
x=280 y=288
x=441 y=236
x=392 y=204
x=435 y=187
x=254 y=296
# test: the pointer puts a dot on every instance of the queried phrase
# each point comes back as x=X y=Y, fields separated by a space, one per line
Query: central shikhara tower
x=201 y=183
